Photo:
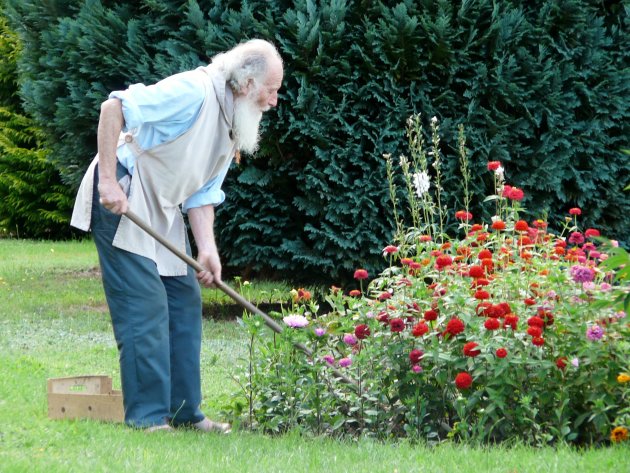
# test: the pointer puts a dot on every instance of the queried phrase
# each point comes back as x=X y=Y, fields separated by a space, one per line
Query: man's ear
x=250 y=86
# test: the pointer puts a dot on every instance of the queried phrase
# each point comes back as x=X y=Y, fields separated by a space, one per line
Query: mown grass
x=54 y=322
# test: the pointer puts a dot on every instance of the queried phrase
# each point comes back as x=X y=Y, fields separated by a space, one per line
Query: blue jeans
x=157 y=326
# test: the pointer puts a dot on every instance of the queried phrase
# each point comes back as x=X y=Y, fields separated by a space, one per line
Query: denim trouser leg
x=157 y=326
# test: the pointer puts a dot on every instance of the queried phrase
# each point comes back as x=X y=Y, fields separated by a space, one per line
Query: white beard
x=247 y=116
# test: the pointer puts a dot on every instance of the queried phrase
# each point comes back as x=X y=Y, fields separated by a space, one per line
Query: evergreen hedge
x=33 y=201
x=540 y=85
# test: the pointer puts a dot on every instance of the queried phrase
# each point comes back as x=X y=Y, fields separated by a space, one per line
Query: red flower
x=485 y=253
x=494 y=165
x=561 y=362
x=406 y=261
x=425 y=238
x=538 y=341
x=419 y=329
x=536 y=322
x=476 y=272
x=529 y=301
x=591 y=232
x=506 y=308
x=454 y=326
x=362 y=331
x=510 y=321
x=498 y=225
x=397 y=325
x=430 y=315
x=476 y=227
x=492 y=324
x=534 y=331
x=384 y=296
x=469 y=349
x=576 y=238
x=463 y=215
x=463 y=380
x=482 y=295
x=354 y=293
x=501 y=352
x=415 y=355
x=521 y=226
x=383 y=317
x=390 y=249
x=360 y=274
x=575 y=211
x=443 y=261
x=516 y=194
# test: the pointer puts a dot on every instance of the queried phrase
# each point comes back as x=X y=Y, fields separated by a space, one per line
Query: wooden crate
x=84 y=397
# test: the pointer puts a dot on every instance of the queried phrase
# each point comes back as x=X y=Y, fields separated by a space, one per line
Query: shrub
x=509 y=331
x=541 y=87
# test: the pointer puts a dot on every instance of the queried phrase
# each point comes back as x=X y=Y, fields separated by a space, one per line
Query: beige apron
x=167 y=174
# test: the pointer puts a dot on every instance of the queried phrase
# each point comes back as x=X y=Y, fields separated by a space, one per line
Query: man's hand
x=112 y=196
x=212 y=263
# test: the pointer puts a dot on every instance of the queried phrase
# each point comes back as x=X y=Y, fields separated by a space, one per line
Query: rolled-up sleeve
x=174 y=101
x=209 y=194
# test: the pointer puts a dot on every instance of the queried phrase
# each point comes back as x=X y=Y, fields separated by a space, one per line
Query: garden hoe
x=272 y=324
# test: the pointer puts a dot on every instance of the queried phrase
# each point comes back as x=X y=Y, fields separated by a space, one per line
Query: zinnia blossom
x=494 y=165
x=594 y=332
x=623 y=378
x=484 y=254
x=301 y=295
x=534 y=331
x=354 y=293
x=498 y=225
x=536 y=322
x=492 y=324
x=561 y=362
x=575 y=211
x=345 y=362
x=463 y=380
x=582 y=274
x=482 y=295
x=576 y=238
x=476 y=272
x=516 y=194
x=362 y=331
x=619 y=434
x=360 y=274
x=295 y=321
x=501 y=352
x=591 y=232
x=469 y=349
x=521 y=226
x=430 y=315
x=443 y=261
x=419 y=329
x=390 y=249
x=454 y=326
x=397 y=325
x=415 y=355
x=538 y=341
x=463 y=215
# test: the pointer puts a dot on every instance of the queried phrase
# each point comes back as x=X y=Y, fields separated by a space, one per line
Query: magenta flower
x=329 y=359
x=319 y=331
x=576 y=238
x=345 y=362
x=416 y=369
x=582 y=274
x=594 y=332
x=350 y=339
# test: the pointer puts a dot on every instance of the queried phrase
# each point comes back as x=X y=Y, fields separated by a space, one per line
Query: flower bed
x=507 y=331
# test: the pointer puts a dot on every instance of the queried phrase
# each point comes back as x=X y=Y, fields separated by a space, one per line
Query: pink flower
x=319 y=331
x=576 y=238
x=582 y=274
x=329 y=359
x=594 y=332
x=390 y=250
x=575 y=211
x=350 y=339
x=360 y=274
x=345 y=362
x=416 y=369
x=295 y=321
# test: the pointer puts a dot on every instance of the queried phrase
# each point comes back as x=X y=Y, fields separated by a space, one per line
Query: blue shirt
x=159 y=113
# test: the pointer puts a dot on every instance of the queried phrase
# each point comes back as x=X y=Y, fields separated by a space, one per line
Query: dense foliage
x=511 y=331
x=541 y=86
x=33 y=201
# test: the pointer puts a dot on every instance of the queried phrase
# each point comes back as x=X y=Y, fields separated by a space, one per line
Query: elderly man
x=161 y=148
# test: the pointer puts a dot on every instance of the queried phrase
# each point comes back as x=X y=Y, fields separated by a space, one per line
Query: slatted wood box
x=84 y=397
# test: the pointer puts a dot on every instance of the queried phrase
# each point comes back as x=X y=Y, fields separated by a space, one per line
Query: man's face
x=266 y=94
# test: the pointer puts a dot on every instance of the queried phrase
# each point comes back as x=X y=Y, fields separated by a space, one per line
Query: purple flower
x=319 y=331
x=345 y=362
x=582 y=274
x=329 y=359
x=594 y=332
x=416 y=369
x=350 y=339
x=295 y=321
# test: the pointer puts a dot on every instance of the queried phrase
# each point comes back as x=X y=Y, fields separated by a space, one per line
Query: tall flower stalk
x=464 y=169
x=437 y=165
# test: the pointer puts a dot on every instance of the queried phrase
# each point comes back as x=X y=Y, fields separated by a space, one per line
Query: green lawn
x=54 y=322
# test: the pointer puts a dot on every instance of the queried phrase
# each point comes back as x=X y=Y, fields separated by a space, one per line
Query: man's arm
x=202 y=224
x=110 y=124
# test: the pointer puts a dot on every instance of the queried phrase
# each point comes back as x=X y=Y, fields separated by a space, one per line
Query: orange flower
x=301 y=295
x=619 y=434
x=623 y=378
x=498 y=225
